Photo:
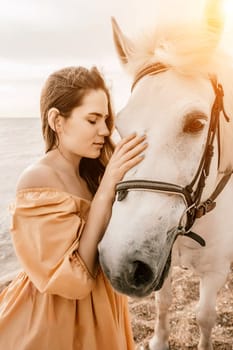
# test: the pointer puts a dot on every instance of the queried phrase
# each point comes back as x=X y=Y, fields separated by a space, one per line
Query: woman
x=63 y=204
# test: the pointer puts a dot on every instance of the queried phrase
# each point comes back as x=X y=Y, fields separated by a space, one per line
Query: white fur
x=159 y=106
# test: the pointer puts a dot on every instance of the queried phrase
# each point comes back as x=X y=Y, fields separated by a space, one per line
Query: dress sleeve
x=46 y=227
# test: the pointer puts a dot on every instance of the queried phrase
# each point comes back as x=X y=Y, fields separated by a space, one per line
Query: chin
x=92 y=156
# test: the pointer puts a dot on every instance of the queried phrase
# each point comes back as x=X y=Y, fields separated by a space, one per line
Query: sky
x=40 y=36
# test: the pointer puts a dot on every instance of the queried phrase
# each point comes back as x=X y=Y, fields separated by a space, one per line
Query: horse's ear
x=123 y=45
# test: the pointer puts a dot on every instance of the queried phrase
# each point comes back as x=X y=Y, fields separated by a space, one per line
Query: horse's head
x=172 y=101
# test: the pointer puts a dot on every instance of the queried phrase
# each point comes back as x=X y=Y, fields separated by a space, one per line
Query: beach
x=21 y=144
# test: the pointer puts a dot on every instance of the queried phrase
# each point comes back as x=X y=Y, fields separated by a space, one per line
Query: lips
x=99 y=144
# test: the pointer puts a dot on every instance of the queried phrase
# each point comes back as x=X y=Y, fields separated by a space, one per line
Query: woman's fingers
x=129 y=143
x=134 y=152
x=130 y=147
x=131 y=163
x=127 y=154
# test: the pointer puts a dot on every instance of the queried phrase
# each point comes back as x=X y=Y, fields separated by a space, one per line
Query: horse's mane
x=190 y=49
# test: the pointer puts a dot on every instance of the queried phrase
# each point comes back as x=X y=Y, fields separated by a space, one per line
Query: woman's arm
x=127 y=154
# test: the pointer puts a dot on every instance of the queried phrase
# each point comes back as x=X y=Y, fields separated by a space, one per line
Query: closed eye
x=194 y=123
x=93 y=117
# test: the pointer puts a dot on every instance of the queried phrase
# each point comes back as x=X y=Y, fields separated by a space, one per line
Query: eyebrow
x=98 y=114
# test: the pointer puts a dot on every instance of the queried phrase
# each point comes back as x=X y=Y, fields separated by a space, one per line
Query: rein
x=192 y=193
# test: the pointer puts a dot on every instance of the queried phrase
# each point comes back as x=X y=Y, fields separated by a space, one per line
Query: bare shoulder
x=39 y=175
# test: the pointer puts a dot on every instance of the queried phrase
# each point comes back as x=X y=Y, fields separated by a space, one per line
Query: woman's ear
x=54 y=119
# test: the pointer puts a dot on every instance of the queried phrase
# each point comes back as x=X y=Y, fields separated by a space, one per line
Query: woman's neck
x=64 y=162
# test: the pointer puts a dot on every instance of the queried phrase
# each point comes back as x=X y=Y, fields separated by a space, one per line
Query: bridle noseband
x=191 y=194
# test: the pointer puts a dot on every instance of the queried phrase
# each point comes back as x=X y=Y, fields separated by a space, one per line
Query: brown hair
x=65 y=90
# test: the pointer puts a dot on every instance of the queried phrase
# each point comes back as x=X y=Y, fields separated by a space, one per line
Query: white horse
x=180 y=73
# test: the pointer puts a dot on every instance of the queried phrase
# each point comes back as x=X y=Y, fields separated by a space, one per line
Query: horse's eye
x=194 y=126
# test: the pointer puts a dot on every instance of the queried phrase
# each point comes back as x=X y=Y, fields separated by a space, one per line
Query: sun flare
x=228 y=5
x=228 y=9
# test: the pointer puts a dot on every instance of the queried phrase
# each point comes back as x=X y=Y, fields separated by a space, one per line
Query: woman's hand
x=127 y=154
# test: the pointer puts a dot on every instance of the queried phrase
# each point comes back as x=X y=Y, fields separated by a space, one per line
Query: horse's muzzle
x=138 y=276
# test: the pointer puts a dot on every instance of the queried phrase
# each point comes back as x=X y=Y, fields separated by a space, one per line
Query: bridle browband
x=192 y=193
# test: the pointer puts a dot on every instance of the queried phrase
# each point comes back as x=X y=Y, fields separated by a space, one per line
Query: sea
x=21 y=144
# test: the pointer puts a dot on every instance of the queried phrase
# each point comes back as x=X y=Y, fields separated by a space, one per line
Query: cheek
x=78 y=131
x=189 y=153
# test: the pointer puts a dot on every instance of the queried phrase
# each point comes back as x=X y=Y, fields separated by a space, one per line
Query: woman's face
x=83 y=133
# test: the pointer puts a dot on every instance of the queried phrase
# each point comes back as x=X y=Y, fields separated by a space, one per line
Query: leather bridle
x=192 y=193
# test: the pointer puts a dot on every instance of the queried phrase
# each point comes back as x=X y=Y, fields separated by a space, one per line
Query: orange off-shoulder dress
x=55 y=303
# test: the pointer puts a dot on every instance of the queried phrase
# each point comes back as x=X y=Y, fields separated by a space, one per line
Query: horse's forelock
x=190 y=49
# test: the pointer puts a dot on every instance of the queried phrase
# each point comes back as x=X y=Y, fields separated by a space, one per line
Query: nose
x=104 y=130
x=138 y=274
x=135 y=275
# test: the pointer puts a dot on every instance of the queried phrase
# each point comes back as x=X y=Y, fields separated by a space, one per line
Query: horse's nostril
x=139 y=274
